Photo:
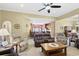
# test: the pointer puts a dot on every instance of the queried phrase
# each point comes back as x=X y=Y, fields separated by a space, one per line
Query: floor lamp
x=54 y=25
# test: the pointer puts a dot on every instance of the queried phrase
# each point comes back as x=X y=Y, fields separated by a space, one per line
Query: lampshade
x=73 y=31
x=4 y=32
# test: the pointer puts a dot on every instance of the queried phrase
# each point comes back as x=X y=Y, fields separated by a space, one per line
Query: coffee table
x=48 y=50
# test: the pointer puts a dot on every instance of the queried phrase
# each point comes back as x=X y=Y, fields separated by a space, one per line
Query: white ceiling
x=40 y=20
x=34 y=7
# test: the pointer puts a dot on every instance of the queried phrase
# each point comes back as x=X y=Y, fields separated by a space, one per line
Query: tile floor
x=33 y=51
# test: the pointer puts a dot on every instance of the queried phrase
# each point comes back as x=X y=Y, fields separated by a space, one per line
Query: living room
x=33 y=31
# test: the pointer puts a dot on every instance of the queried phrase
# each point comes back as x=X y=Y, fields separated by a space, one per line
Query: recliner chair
x=77 y=43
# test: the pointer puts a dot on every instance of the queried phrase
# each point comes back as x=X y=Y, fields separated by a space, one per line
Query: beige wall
x=23 y=19
x=17 y=18
x=60 y=24
x=0 y=19
x=20 y=18
x=0 y=15
x=66 y=20
x=71 y=22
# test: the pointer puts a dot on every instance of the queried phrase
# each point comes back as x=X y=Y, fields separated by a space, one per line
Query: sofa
x=40 y=38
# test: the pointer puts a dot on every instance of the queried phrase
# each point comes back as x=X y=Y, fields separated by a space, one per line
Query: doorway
x=7 y=25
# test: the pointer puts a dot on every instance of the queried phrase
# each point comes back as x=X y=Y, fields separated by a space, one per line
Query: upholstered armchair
x=23 y=44
x=61 y=38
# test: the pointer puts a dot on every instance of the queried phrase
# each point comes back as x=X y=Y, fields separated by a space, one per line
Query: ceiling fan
x=48 y=6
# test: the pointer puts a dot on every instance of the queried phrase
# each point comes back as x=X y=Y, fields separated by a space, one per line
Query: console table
x=4 y=51
x=9 y=49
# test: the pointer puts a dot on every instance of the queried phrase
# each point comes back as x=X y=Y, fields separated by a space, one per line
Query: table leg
x=69 y=42
x=45 y=52
x=16 y=50
x=42 y=49
x=65 y=51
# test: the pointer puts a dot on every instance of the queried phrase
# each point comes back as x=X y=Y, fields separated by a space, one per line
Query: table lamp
x=3 y=33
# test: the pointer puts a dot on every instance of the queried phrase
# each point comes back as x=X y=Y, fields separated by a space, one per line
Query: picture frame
x=17 y=26
x=61 y=27
x=26 y=25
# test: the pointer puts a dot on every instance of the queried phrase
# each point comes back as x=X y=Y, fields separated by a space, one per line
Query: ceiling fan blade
x=44 y=4
x=55 y=6
x=47 y=4
x=42 y=9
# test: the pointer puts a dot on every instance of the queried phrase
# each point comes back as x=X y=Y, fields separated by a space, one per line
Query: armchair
x=23 y=45
x=77 y=43
x=61 y=38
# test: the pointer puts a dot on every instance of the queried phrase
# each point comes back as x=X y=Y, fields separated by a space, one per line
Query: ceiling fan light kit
x=48 y=10
x=48 y=7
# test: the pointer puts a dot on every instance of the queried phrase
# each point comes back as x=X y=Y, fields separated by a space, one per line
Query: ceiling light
x=21 y=5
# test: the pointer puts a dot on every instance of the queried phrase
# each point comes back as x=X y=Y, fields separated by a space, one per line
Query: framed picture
x=17 y=26
x=61 y=27
x=26 y=25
